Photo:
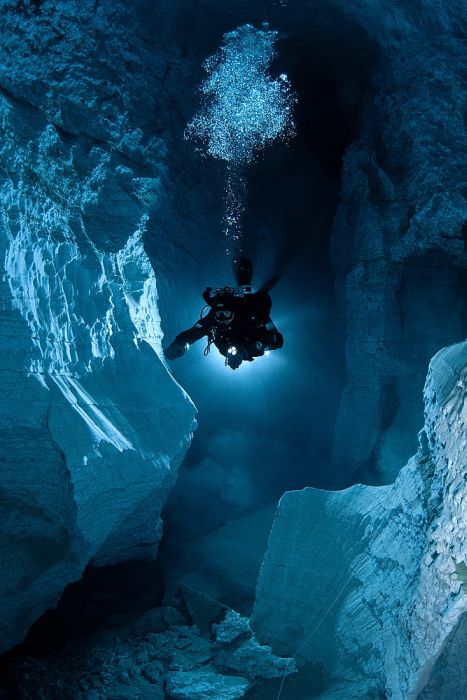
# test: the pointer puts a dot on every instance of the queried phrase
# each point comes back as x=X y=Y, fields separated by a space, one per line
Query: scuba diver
x=238 y=322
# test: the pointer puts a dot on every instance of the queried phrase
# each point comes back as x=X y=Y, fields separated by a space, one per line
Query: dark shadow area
x=127 y=588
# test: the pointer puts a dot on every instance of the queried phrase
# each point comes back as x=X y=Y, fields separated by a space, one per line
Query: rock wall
x=367 y=581
x=92 y=425
x=398 y=243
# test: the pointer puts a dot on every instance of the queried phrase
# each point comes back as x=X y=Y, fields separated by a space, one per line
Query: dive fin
x=267 y=286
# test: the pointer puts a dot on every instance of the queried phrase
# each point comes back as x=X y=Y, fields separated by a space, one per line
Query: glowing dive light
x=266 y=352
x=232 y=350
x=187 y=346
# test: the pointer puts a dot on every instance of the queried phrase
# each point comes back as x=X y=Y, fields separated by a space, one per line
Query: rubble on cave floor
x=151 y=657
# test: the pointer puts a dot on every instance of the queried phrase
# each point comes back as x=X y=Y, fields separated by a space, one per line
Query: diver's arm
x=180 y=345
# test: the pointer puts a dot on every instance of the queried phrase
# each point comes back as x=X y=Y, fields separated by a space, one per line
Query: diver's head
x=224 y=316
x=234 y=357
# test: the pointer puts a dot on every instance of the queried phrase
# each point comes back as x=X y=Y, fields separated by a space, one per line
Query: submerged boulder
x=238 y=651
x=233 y=628
x=368 y=581
x=205 y=684
x=254 y=660
x=203 y=610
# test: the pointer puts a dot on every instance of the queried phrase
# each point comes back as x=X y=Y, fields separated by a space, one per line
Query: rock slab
x=368 y=581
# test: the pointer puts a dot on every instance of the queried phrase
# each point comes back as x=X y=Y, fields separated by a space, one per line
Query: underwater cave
x=292 y=529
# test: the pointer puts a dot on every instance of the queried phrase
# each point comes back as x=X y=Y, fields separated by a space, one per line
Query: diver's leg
x=243 y=271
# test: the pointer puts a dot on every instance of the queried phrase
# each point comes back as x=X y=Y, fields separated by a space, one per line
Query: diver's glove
x=175 y=350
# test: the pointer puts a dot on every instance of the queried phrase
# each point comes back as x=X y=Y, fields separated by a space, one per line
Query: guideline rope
x=308 y=637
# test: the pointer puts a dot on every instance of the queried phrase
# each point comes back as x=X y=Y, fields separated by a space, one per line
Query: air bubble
x=244 y=109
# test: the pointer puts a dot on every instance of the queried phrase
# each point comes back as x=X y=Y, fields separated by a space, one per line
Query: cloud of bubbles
x=244 y=108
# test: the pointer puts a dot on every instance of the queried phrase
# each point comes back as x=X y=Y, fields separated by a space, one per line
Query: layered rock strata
x=368 y=581
x=398 y=240
x=92 y=425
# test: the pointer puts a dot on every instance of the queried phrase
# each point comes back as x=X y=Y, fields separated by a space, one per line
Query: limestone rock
x=203 y=610
x=366 y=580
x=224 y=564
x=254 y=661
x=398 y=247
x=205 y=685
x=92 y=425
x=232 y=628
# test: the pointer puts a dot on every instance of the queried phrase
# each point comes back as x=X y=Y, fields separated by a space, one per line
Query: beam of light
x=250 y=374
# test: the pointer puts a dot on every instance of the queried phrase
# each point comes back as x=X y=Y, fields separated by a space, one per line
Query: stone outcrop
x=92 y=425
x=368 y=581
x=398 y=240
